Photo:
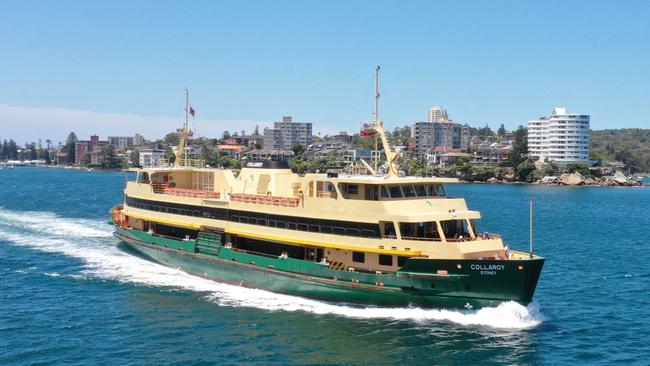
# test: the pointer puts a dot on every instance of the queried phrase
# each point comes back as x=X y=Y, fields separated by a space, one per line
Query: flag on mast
x=192 y=111
x=367 y=130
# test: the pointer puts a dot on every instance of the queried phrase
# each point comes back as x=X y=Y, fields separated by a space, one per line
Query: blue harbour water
x=71 y=294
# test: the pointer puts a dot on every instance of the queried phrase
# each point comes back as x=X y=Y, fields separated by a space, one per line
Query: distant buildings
x=287 y=133
x=150 y=158
x=126 y=142
x=91 y=147
x=438 y=131
x=437 y=114
x=561 y=137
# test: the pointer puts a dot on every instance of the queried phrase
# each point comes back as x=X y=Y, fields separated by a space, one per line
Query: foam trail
x=102 y=259
x=50 y=223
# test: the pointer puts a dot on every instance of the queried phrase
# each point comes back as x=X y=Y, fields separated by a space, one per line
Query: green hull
x=420 y=282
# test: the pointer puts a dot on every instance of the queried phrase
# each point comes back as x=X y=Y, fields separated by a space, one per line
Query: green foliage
x=631 y=146
x=485 y=132
x=463 y=166
x=297 y=149
x=48 y=160
x=502 y=130
x=400 y=136
x=169 y=155
x=69 y=147
x=582 y=168
x=519 y=150
x=417 y=167
x=172 y=139
x=85 y=160
x=320 y=165
x=524 y=171
x=135 y=158
x=109 y=159
x=363 y=142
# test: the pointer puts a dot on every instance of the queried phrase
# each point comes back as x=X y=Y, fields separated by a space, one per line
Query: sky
x=121 y=67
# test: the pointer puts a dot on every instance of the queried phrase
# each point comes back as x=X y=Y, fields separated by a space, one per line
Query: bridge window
x=326 y=190
x=455 y=229
x=358 y=257
x=395 y=191
x=385 y=260
x=419 y=231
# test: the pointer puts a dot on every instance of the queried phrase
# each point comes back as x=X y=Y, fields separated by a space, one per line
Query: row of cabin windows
x=373 y=192
x=336 y=227
x=384 y=259
x=429 y=230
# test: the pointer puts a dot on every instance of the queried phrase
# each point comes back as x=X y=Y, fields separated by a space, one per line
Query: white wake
x=92 y=242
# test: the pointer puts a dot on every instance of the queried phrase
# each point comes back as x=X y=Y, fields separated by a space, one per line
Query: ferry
x=376 y=239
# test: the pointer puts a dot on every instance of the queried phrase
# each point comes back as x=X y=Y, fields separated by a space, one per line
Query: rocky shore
x=577 y=179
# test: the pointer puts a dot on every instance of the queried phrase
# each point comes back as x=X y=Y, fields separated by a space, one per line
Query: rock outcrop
x=576 y=179
x=572 y=179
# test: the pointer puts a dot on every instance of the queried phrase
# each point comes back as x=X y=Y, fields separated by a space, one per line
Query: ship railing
x=189 y=192
x=265 y=200
x=325 y=194
x=418 y=238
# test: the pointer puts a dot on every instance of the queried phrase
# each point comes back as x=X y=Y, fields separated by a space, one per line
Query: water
x=71 y=294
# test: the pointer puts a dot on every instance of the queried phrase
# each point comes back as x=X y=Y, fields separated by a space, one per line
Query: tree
x=109 y=158
x=297 y=149
x=485 y=132
x=69 y=148
x=48 y=160
x=172 y=138
x=226 y=135
x=85 y=160
x=524 y=171
x=135 y=158
x=519 y=150
x=169 y=155
x=12 y=150
x=502 y=130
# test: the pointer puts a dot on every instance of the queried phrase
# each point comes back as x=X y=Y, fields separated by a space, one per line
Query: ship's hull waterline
x=421 y=282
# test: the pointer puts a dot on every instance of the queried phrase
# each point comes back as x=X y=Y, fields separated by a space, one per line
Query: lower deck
x=309 y=272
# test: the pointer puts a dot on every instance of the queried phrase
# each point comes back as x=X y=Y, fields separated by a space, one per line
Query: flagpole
x=531 y=226
x=376 y=117
x=187 y=117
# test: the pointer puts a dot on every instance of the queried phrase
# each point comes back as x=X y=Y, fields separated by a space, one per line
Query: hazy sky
x=120 y=67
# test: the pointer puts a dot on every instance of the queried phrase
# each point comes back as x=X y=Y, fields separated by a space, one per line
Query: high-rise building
x=287 y=133
x=561 y=137
x=437 y=114
x=439 y=131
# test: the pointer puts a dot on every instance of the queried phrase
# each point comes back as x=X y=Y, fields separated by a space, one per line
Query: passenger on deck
x=284 y=255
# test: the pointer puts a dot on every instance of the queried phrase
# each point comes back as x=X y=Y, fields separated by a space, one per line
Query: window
x=384 y=192
x=419 y=189
x=395 y=191
x=401 y=260
x=372 y=192
x=385 y=260
x=409 y=190
x=358 y=257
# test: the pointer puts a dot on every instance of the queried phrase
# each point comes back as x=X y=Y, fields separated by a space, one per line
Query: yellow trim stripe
x=164 y=221
x=299 y=242
x=302 y=242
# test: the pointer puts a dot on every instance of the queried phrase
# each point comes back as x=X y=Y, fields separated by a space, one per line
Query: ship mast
x=391 y=156
x=181 y=154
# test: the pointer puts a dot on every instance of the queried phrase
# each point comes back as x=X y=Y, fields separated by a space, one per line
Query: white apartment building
x=561 y=137
x=437 y=114
x=287 y=133
x=151 y=158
